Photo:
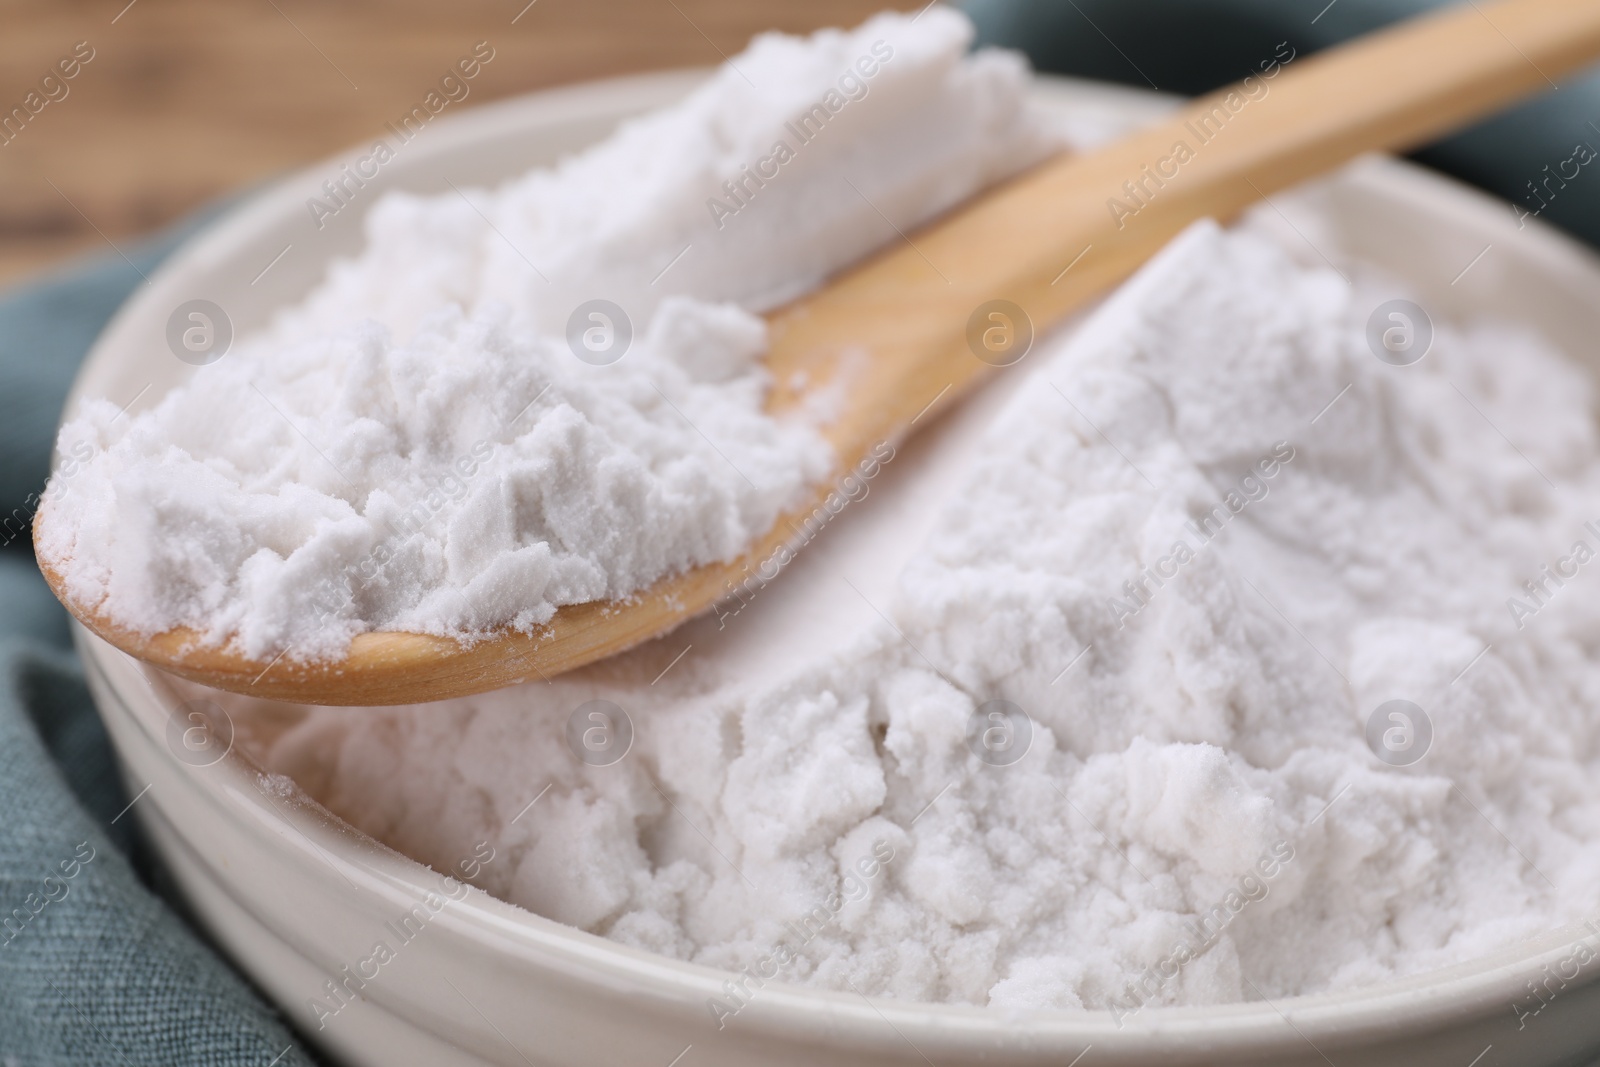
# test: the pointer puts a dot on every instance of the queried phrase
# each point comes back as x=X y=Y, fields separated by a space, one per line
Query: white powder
x=1198 y=808
x=416 y=447
x=1209 y=754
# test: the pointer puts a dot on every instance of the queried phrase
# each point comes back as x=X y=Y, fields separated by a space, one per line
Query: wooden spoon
x=919 y=324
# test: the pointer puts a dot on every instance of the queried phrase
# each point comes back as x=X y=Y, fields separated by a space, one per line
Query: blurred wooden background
x=188 y=99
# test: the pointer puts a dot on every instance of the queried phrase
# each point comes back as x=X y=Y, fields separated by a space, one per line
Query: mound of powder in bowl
x=1107 y=740
x=444 y=438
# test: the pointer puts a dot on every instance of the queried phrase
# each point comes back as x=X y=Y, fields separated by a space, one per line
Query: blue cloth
x=96 y=966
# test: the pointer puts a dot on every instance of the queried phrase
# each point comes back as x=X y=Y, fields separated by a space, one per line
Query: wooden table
x=186 y=100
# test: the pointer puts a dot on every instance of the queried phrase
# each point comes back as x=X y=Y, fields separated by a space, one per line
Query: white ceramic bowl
x=294 y=894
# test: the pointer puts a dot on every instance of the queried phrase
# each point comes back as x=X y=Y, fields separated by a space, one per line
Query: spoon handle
x=1104 y=214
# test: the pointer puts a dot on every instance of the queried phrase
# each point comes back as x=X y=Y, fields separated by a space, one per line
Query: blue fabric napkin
x=96 y=964
x=96 y=967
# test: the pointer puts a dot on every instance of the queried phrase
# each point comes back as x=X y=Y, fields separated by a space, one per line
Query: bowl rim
x=1418 y=1004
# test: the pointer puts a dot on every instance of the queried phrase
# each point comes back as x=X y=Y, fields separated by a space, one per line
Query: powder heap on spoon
x=450 y=436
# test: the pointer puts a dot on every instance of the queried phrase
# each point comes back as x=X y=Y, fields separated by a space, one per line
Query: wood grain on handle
x=895 y=328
